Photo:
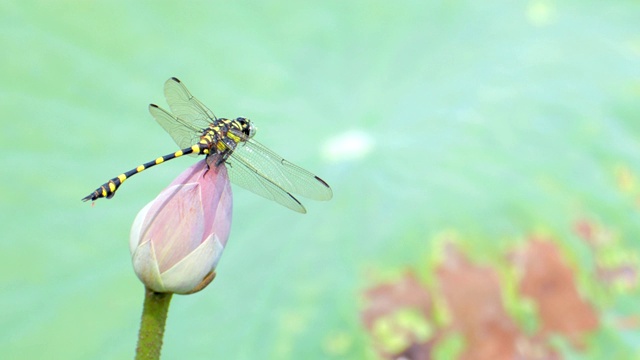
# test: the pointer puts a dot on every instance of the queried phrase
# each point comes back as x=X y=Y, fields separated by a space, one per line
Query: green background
x=495 y=119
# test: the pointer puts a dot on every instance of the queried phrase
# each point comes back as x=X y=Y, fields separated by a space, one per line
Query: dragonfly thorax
x=224 y=135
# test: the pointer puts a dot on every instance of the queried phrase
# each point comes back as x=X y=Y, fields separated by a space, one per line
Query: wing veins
x=239 y=169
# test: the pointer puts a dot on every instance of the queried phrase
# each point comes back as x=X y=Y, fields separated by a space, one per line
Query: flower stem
x=154 y=317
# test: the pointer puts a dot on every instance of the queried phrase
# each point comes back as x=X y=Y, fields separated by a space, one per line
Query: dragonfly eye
x=247 y=128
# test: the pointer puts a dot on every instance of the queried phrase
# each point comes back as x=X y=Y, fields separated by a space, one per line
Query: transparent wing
x=245 y=175
x=182 y=133
x=186 y=107
x=285 y=175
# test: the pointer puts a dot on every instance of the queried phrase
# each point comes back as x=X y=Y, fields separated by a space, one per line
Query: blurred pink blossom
x=177 y=239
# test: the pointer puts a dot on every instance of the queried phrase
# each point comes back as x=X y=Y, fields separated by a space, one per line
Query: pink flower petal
x=177 y=238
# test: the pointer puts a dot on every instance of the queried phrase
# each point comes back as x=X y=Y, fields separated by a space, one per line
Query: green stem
x=154 y=317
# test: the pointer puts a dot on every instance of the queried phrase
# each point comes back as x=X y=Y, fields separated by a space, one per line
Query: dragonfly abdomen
x=108 y=189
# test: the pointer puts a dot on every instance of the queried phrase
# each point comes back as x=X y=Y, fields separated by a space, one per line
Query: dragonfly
x=227 y=142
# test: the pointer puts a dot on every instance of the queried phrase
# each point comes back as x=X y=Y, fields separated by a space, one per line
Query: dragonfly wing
x=245 y=175
x=182 y=133
x=287 y=176
x=186 y=107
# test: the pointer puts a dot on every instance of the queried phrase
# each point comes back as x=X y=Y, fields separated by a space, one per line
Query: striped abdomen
x=109 y=188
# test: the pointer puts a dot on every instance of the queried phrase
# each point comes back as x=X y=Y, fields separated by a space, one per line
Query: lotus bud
x=177 y=239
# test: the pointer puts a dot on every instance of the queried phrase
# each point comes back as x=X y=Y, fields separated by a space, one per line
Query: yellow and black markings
x=109 y=188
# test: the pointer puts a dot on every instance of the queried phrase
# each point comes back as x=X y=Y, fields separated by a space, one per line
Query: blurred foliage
x=496 y=121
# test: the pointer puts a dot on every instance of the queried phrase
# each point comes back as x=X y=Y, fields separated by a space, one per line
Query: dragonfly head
x=245 y=126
